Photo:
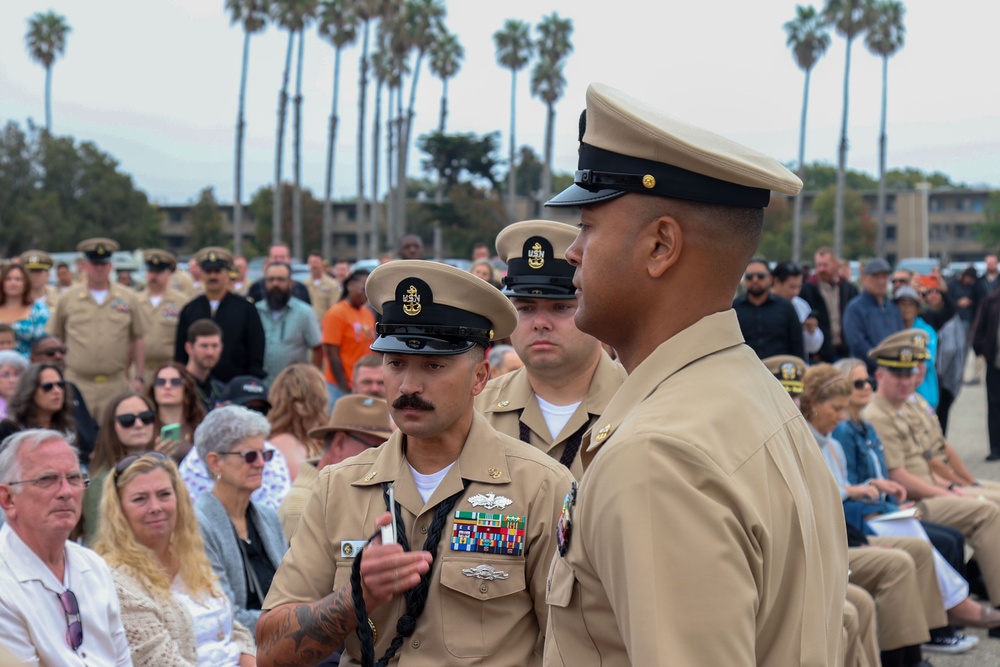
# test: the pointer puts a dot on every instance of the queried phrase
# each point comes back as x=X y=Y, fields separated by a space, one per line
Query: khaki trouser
x=98 y=391
x=979 y=521
x=860 y=640
x=890 y=576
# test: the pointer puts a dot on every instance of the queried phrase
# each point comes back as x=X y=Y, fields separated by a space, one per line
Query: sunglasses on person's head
x=758 y=276
x=128 y=421
x=74 y=623
x=51 y=352
x=49 y=386
x=250 y=456
x=860 y=384
x=124 y=464
x=173 y=382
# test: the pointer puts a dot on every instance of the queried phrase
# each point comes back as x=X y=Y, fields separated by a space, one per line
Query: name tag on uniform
x=350 y=548
x=487 y=533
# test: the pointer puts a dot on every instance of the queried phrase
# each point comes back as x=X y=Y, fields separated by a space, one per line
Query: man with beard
x=243 y=352
x=290 y=327
x=769 y=323
x=278 y=252
x=567 y=379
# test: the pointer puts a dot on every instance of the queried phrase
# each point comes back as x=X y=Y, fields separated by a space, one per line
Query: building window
x=176 y=217
x=977 y=204
x=890 y=204
x=890 y=232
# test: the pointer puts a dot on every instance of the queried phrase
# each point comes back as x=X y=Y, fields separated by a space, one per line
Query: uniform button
x=484 y=588
x=423 y=530
x=415 y=643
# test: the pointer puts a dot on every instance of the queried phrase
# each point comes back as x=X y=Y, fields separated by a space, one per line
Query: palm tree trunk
x=512 y=169
x=405 y=144
x=297 y=191
x=547 y=168
x=390 y=171
x=359 y=208
x=327 y=244
x=376 y=129
x=838 y=207
x=882 y=141
x=238 y=176
x=48 y=98
x=279 y=144
x=797 y=211
x=398 y=228
x=444 y=105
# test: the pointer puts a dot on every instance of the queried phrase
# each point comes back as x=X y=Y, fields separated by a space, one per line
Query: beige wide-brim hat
x=357 y=413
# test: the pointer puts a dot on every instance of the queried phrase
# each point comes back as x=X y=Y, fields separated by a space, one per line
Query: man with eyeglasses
x=769 y=323
x=58 y=604
x=51 y=350
x=357 y=423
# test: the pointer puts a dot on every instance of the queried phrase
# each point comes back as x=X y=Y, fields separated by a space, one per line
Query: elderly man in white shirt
x=58 y=604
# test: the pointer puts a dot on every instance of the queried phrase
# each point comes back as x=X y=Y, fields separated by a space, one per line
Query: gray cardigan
x=224 y=553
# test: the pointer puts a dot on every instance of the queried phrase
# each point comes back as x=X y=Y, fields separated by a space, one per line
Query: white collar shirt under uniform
x=32 y=622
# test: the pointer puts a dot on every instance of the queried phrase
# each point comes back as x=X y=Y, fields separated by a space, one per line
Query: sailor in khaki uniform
x=38 y=264
x=707 y=529
x=162 y=307
x=567 y=378
x=476 y=510
x=324 y=291
x=103 y=328
x=909 y=448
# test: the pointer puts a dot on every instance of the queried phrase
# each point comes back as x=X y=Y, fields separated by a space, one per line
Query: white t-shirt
x=428 y=484
x=556 y=416
x=99 y=295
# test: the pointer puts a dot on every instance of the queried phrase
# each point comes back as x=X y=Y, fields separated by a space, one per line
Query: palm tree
x=252 y=14
x=513 y=51
x=885 y=36
x=338 y=24
x=446 y=59
x=548 y=82
x=46 y=39
x=809 y=40
x=279 y=14
x=848 y=17
x=366 y=11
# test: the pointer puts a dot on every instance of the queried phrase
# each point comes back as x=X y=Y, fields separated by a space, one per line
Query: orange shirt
x=353 y=329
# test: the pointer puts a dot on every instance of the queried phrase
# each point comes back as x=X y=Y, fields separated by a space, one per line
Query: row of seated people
x=907 y=540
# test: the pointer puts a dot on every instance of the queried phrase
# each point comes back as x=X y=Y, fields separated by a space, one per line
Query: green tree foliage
x=776 y=240
x=261 y=206
x=461 y=157
x=859 y=225
x=988 y=232
x=54 y=192
x=819 y=176
x=206 y=222
x=908 y=177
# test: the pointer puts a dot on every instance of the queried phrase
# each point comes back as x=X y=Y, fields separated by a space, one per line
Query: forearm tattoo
x=304 y=633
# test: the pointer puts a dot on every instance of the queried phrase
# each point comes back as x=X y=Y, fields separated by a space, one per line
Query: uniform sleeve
x=140 y=324
x=546 y=509
x=672 y=556
x=57 y=323
x=148 y=637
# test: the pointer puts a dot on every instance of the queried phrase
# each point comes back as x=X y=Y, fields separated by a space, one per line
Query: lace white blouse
x=213 y=627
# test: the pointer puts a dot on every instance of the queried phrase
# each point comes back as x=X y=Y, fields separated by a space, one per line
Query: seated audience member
x=503 y=359
x=249 y=392
x=176 y=399
x=12 y=365
x=356 y=424
x=369 y=378
x=173 y=608
x=127 y=428
x=298 y=400
x=50 y=350
x=789 y=371
x=39 y=401
x=860 y=637
x=57 y=599
x=243 y=539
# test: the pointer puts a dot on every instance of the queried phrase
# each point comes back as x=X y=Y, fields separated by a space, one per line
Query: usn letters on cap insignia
x=536 y=256
x=411 y=301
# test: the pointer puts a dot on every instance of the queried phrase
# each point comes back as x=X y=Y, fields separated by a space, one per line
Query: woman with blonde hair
x=298 y=405
x=173 y=609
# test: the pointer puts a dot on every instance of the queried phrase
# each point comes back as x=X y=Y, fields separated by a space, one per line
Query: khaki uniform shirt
x=97 y=336
x=290 y=510
x=323 y=295
x=509 y=400
x=707 y=529
x=908 y=443
x=468 y=620
x=162 y=322
x=184 y=283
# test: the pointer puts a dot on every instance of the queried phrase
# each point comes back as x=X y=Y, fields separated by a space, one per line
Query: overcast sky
x=155 y=84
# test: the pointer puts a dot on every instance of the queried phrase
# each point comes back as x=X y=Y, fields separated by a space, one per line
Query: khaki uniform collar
x=708 y=335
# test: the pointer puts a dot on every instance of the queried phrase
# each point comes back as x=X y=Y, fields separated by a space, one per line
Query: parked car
x=921 y=266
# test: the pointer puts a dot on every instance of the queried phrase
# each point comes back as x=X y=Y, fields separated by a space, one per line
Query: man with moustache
x=769 y=323
x=291 y=332
x=567 y=379
x=707 y=503
x=482 y=505
x=369 y=377
x=278 y=252
x=162 y=307
x=58 y=604
x=243 y=352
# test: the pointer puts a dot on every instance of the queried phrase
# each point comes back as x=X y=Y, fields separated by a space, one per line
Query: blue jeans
x=335 y=392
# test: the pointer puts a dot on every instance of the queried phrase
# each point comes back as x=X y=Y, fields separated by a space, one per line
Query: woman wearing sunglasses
x=126 y=428
x=39 y=401
x=173 y=609
x=175 y=396
x=243 y=539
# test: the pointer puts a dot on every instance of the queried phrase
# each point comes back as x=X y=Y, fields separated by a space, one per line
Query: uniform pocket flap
x=484 y=579
x=559 y=587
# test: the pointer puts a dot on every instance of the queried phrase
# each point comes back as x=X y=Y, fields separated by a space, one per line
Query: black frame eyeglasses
x=147 y=417
x=71 y=609
x=250 y=456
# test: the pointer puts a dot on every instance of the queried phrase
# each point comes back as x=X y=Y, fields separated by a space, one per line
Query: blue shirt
x=866 y=323
x=929 y=387
x=289 y=337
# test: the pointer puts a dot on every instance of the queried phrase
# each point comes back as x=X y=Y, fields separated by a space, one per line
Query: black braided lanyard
x=572 y=444
x=416 y=597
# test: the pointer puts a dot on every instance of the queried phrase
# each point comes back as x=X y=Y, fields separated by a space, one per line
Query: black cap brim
x=424 y=345
x=575 y=196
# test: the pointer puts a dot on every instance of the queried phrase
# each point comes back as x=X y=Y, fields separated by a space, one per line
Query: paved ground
x=967 y=433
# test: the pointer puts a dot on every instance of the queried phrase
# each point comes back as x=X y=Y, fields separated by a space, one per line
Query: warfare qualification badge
x=490 y=501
